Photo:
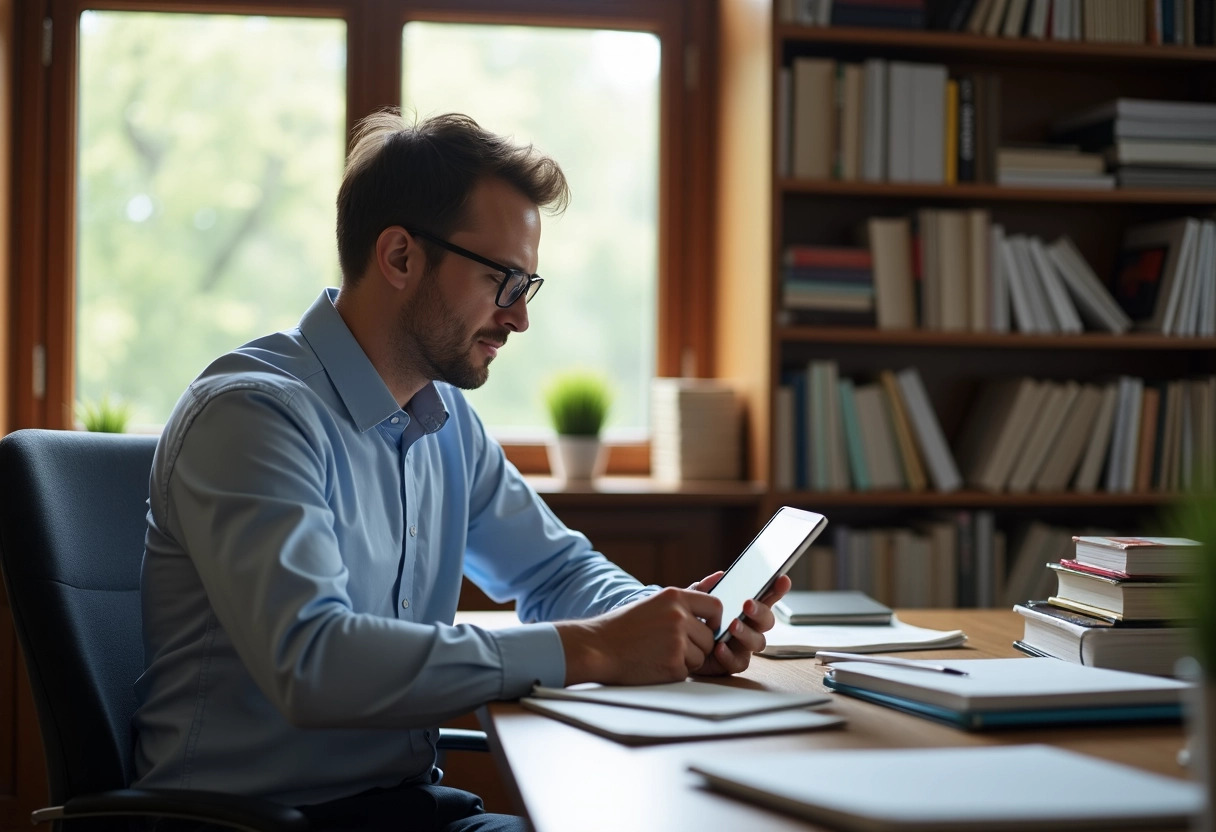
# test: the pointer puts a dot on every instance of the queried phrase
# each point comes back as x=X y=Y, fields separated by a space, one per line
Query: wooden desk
x=564 y=778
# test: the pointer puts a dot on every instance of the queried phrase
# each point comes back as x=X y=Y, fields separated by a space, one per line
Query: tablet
x=770 y=555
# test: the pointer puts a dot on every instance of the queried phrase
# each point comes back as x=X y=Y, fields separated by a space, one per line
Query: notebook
x=705 y=700
x=831 y=607
x=989 y=788
x=1013 y=692
x=635 y=726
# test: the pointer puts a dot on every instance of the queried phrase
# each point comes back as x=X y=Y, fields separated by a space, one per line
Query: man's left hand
x=746 y=634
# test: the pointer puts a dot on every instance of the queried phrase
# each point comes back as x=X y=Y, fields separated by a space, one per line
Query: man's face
x=452 y=329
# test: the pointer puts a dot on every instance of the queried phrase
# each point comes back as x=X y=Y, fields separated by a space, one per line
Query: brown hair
x=421 y=175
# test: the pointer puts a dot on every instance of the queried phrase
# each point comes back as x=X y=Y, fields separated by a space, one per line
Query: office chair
x=72 y=525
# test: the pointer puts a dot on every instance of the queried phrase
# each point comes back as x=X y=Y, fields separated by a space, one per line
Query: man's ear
x=399 y=257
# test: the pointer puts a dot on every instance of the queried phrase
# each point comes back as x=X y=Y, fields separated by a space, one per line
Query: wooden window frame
x=43 y=297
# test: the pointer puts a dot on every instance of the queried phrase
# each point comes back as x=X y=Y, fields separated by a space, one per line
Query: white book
x=1024 y=315
x=928 y=430
x=1207 y=277
x=1178 y=236
x=982 y=788
x=1062 y=307
x=1015 y=14
x=1098 y=448
x=1036 y=27
x=899 y=121
x=1069 y=446
x=1040 y=307
x=1186 y=322
x=1120 y=472
x=874 y=122
x=998 y=288
x=1095 y=303
x=878 y=438
x=928 y=123
x=1056 y=405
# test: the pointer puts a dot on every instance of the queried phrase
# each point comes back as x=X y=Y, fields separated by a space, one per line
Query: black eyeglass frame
x=528 y=288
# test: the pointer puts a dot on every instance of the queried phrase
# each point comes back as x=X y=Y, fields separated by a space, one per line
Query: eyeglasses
x=515 y=284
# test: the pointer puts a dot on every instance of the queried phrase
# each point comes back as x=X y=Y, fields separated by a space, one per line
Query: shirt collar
x=362 y=390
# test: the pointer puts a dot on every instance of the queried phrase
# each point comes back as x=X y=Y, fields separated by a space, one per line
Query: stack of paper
x=695 y=430
x=679 y=711
x=787 y=641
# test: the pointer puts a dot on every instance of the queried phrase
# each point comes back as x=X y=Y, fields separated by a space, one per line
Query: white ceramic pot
x=574 y=458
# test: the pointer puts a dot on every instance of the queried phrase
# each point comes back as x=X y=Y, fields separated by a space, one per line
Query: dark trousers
x=409 y=808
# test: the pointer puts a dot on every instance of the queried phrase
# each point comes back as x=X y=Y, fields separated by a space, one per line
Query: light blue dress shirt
x=306 y=540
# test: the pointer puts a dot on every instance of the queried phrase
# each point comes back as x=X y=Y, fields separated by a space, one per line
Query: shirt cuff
x=532 y=654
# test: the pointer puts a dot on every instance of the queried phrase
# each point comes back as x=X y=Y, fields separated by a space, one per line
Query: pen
x=827 y=657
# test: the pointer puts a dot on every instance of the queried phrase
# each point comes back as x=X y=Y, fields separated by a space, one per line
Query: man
x=317 y=494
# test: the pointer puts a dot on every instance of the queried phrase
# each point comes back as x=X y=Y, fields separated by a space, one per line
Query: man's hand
x=661 y=638
x=746 y=634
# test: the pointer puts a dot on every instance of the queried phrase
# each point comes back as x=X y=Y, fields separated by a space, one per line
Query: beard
x=432 y=342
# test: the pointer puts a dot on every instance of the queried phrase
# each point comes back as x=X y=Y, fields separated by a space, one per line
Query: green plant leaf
x=578 y=403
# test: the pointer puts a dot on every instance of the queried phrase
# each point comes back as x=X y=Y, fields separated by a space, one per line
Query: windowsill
x=646 y=492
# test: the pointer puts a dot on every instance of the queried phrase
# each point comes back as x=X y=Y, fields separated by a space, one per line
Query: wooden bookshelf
x=968 y=192
x=759 y=212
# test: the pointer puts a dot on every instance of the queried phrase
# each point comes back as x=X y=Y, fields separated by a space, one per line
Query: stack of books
x=695 y=430
x=1059 y=166
x=1118 y=605
x=1148 y=143
x=828 y=285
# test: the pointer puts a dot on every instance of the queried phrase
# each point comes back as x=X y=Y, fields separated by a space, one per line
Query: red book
x=827 y=257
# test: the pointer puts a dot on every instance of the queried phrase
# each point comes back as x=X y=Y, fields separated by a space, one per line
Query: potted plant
x=104 y=416
x=578 y=404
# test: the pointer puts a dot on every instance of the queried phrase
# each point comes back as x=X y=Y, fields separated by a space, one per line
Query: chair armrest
x=462 y=739
x=238 y=811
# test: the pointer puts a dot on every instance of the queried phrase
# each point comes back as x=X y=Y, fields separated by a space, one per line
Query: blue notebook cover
x=977 y=721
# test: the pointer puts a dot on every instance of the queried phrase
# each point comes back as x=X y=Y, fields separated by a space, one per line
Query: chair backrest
x=72 y=524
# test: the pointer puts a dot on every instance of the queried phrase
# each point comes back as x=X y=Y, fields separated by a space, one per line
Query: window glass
x=210 y=149
x=590 y=99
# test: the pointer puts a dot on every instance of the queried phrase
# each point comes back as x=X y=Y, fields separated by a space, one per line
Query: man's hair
x=420 y=176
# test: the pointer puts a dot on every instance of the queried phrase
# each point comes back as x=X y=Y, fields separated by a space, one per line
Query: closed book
x=1137 y=555
x=973 y=789
x=1007 y=692
x=930 y=439
x=966 y=128
x=814 y=124
x=831 y=607
x=1096 y=642
x=1139 y=598
x=891 y=250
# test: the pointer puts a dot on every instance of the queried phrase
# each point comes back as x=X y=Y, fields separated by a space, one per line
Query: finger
x=708 y=582
x=730 y=657
x=694 y=656
x=759 y=616
x=748 y=639
x=706 y=607
x=777 y=591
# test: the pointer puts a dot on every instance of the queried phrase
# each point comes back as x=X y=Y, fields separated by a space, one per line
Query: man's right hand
x=661 y=638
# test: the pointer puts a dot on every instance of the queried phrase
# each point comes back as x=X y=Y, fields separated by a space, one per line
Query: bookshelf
x=759 y=212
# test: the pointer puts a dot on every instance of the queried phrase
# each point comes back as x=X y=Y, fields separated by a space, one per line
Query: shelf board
x=968 y=499
x=970 y=192
x=986 y=47
x=993 y=340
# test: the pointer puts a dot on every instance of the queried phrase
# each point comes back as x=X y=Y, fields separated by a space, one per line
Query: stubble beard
x=433 y=343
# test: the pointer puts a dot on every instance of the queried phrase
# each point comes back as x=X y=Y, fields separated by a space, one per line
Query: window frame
x=42 y=311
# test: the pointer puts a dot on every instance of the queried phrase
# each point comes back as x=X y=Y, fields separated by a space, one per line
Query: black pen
x=827 y=657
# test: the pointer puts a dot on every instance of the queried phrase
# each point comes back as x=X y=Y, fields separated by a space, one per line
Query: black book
x=966 y=129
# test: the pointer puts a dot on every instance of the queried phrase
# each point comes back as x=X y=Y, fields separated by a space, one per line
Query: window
x=177 y=162
x=208 y=147
x=590 y=99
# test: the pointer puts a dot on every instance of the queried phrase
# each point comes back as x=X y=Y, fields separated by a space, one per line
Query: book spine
x=966 y=129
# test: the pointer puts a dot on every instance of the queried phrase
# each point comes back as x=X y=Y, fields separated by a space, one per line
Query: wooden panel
x=7 y=63
x=743 y=232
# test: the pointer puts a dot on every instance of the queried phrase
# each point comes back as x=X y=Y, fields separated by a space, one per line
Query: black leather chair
x=72 y=523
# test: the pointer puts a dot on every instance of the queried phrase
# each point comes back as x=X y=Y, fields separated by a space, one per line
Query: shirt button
x=413 y=531
x=395 y=420
x=405 y=603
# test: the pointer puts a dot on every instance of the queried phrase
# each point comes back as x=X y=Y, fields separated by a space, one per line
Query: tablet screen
x=780 y=543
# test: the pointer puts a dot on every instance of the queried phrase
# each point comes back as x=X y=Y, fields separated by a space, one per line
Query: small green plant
x=1195 y=517
x=104 y=416
x=578 y=403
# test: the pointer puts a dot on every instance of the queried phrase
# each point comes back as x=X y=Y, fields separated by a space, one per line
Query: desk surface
x=565 y=778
